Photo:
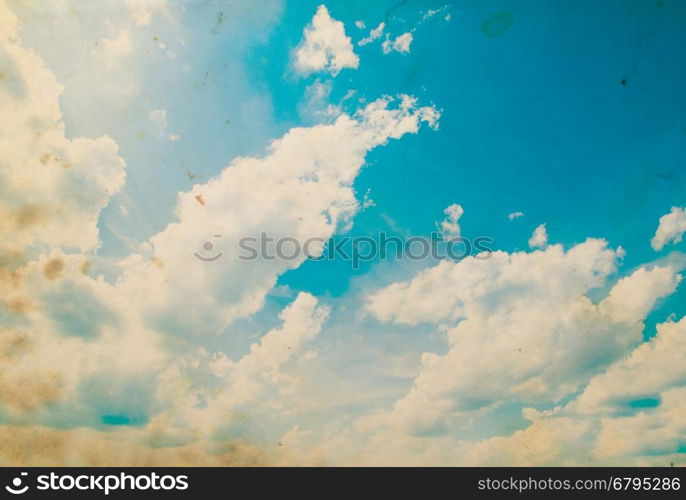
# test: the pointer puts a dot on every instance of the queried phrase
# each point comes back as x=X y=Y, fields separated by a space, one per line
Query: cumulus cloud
x=633 y=413
x=73 y=340
x=671 y=228
x=631 y=298
x=260 y=382
x=133 y=365
x=373 y=34
x=69 y=332
x=52 y=188
x=539 y=238
x=561 y=441
x=449 y=227
x=519 y=315
x=168 y=300
x=70 y=336
x=301 y=189
x=400 y=44
x=325 y=46
x=647 y=433
x=653 y=367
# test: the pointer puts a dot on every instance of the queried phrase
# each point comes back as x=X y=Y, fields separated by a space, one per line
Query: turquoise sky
x=569 y=115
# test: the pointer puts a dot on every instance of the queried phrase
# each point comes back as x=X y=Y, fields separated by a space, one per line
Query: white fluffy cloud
x=400 y=44
x=560 y=441
x=64 y=331
x=86 y=351
x=325 y=46
x=632 y=413
x=539 y=238
x=373 y=34
x=52 y=188
x=658 y=432
x=259 y=382
x=520 y=316
x=650 y=369
x=302 y=189
x=449 y=227
x=147 y=349
x=671 y=228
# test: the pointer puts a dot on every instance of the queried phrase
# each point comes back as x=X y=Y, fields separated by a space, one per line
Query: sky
x=142 y=141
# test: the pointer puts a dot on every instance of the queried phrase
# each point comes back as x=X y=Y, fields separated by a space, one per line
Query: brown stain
x=53 y=269
x=85 y=267
x=20 y=305
x=30 y=391
x=13 y=343
x=221 y=17
x=157 y=261
x=29 y=215
x=21 y=391
x=36 y=445
x=9 y=279
x=51 y=158
x=190 y=175
x=11 y=258
x=200 y=199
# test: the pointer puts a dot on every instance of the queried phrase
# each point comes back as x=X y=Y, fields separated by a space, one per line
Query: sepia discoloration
x=85 y=267
x=9 y=279
x=49 y=158
x=29 y=215
x=10 y=259
x=21 y=390
x=20 y=305
x=53 y=269
x=26 y=392
x=12 y=343
x=41 y=446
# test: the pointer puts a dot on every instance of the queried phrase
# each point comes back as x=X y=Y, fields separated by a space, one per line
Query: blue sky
x=536 y=120
x=171 y=123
